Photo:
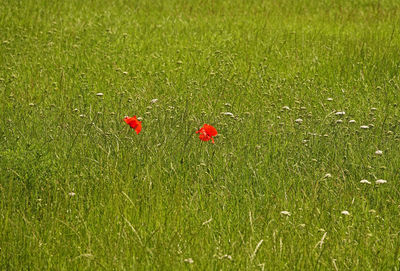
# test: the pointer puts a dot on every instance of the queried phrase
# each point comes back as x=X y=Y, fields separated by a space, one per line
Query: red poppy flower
x=134 y=123
x=207 y=132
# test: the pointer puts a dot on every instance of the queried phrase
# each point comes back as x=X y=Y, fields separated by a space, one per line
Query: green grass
x=154 y=200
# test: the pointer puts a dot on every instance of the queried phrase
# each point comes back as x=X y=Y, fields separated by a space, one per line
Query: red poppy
x=134 y=123
x=207 y=132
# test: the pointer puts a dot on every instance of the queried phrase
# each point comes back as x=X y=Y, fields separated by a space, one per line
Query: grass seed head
x=229 y=114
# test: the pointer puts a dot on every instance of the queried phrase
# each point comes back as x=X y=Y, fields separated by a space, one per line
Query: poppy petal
x=134 y=123
x=204 y=137
x=138 y=128
x=210 y=130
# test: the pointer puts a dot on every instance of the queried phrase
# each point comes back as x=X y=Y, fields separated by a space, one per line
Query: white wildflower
x=329 y=99
x=140 y=118
x=99 y=94
x=352 y=121
x=373 y=109
x=285 y=213
x=365 y=181
x=299 y=121
x=380 y=181
x=340 y=113
x=345 y=213
x=154 y=101
x=226 y=256
x=286 y=107
x=339 y=121
x=365 y=127
x=379 y=152
x=327 y=175
x=71 y=194
x=188 y=260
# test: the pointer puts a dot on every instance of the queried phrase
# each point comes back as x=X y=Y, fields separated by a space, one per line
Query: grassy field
x=279 y=190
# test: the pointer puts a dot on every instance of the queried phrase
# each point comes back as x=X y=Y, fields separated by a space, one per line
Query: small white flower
x=140 y=118
x=285 y=213
x=154 y=101
x=329 y=99
x=81 y=115
x=379 y=152
x=71 y=194
x=226 y=256
x=352 y=121
x=229 y=114
x=327 y=175
x=286 y=107
x=373 y=109
x=345 y=213
x=99 y=94
x=299 y=121
x=380 y=181
x=31 y=104
x=188 y=260
x=365 y=127
x=339 y=121
x=340 y=113
x=228 y=104
x=365 y=181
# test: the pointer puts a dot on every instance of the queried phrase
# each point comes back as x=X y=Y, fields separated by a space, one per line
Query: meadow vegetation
x=304 y=95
